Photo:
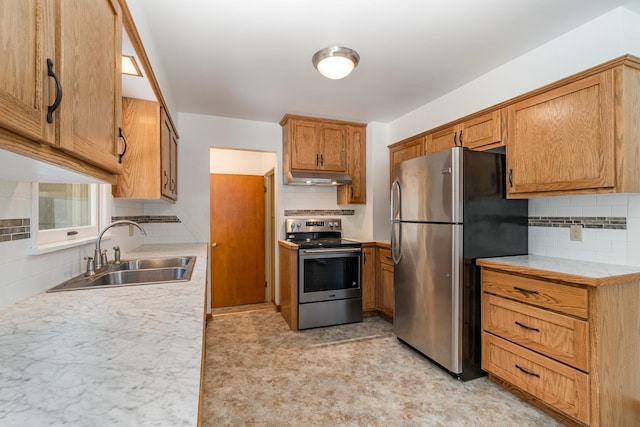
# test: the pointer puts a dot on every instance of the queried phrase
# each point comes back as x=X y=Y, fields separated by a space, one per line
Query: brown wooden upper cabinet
x=563 y=140
x=356 y=192
x=316 y=145
x=406 y=149
x=63 y=91
x=325 y=145
x=150 y=162
x=169 y=149
x=581 y=136
x=478 y=133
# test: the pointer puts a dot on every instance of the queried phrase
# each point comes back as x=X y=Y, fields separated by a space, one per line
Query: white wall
x=241 y=162
x=611 y=35
x=22 y=274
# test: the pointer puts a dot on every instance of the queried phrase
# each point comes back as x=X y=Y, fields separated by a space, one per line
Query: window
x=67 y=214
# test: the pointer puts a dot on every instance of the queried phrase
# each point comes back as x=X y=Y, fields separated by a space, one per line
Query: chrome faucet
x=97 y=258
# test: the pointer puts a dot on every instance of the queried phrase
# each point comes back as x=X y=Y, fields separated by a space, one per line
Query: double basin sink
x=142 y=271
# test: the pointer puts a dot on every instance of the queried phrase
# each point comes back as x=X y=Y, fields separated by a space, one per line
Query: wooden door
x=563 y=139
x=305 y=150
x=333 y=154
x=26 y=42
x=237 y=240
x=91 y=80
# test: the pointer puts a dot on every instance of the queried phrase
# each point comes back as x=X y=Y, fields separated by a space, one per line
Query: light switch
x=575 y=233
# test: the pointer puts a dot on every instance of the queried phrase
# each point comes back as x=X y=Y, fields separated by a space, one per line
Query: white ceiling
x=251 y=59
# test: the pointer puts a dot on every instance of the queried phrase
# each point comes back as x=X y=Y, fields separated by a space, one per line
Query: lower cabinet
x=368 y=279
x=384 y=283
x=563 y=343
x=289 y=283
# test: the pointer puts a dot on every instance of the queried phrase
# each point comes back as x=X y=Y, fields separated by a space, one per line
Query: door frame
x=270 y=236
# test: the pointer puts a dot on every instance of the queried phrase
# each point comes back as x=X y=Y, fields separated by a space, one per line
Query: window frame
x=44 y=241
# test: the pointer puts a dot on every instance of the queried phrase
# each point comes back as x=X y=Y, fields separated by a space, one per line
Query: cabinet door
x=26 y=37
x=563 y=139
x=407 y=150
x=482 y=133
x=91 y=81
x=368 y=279
x=174 y=166
x=356 y=160
x=333 y=143
x=384 y=298
x=305 y=148
x=441 y=140
x=141 y=126
x=165 y=148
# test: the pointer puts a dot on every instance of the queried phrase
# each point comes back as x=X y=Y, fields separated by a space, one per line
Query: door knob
x=214 y=245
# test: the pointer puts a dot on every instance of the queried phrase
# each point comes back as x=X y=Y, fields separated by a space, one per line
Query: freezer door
x=428 y=291
x=429 y=188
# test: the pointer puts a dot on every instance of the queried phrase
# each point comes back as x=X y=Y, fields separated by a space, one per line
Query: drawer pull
x=526 y=291
x=527 y=372
x=527 y=327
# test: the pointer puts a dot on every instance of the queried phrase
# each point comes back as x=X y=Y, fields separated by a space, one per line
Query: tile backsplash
x=611 y=222
x=611 y=227
x=318 y=212
x=15 y=229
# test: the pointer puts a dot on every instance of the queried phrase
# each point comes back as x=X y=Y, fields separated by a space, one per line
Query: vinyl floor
x=260 y=373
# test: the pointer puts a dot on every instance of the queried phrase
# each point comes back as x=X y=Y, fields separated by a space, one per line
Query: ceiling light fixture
x=335 y=62
x=130 y=66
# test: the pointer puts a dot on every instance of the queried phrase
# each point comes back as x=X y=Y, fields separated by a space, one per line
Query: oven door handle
x=331 y=250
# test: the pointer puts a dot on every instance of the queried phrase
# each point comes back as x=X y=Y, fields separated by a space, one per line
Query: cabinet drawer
x=384 y=256
x=563 y=338
x=561 y=387
x=565 y=299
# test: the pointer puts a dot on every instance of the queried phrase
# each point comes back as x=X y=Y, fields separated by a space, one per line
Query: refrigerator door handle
x=396 y=194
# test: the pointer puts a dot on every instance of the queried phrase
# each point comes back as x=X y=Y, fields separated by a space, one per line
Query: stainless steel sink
x=143 y=271
x=146 y=263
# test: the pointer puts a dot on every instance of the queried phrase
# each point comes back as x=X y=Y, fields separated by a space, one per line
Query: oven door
x=329 y=274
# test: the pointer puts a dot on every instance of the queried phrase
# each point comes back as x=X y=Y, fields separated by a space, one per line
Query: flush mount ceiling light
x=335 y=62
x=130 y=66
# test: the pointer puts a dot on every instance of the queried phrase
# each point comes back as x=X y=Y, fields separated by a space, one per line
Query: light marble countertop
x=582 y=272
x=116 y=356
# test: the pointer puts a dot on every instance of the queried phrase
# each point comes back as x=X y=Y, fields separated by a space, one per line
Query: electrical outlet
x=575 y=233
x=131 y=230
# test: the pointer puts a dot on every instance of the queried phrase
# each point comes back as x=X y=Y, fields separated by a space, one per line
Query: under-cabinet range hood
x=316 y=178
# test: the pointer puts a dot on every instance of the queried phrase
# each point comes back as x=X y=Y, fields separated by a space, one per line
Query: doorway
x=242 y=227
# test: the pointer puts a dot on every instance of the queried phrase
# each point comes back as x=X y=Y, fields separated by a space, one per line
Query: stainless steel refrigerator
x=448 y=209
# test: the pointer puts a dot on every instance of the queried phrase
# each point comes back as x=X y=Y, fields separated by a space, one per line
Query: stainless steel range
x=329 y=290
